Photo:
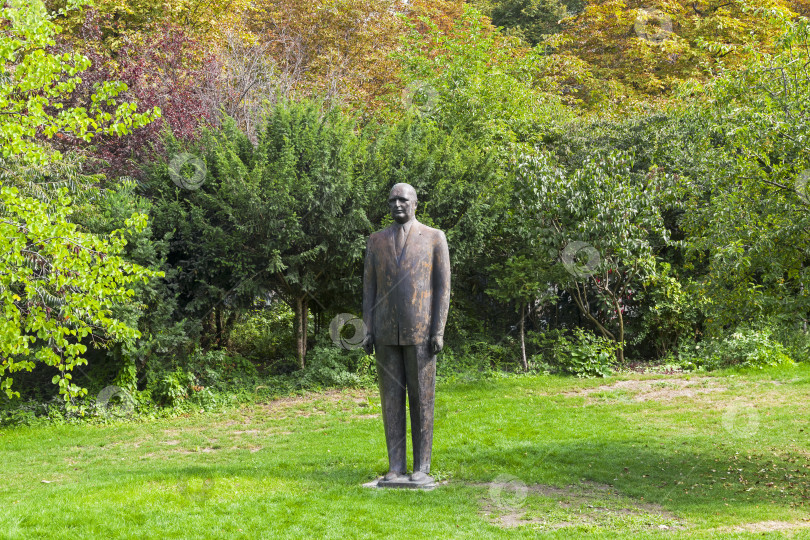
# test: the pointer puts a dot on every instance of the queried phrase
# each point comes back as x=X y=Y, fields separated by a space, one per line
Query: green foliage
x=602 y=224
x=456 y=179
x=746 y=214
x=206 y=380
x=697 y=216
x=263 y=336
x=531 y=20
x=671 y=313
x=330 y=366
x=35 y=81
x=584 y=354
x=746 y=347
x=478 y=357
x=59 y=283
x=173 y=388
x=57 y=294
x=794 y=336
x=482 y=87
x=285 y=217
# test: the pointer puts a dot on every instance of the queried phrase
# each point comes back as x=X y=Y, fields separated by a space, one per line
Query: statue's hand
x=368 y=344
x=436 y=344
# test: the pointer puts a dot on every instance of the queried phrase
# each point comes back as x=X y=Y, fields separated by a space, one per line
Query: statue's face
x=402 y=202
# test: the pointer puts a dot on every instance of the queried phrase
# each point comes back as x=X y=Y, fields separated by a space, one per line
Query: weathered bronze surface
x=406 y=296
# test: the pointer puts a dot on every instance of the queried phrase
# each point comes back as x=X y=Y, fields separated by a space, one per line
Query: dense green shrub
x=795 y=337
x=745 y=347
x=670 y=313
x=584 y=354
x=173 y=388
x=479 y=356
x=331 y=366
x=264 y=336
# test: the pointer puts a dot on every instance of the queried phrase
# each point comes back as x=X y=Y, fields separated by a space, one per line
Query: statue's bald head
x=403 y=188
x=402 y=202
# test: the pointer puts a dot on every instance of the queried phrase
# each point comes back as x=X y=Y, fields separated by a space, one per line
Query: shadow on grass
x=676 y=478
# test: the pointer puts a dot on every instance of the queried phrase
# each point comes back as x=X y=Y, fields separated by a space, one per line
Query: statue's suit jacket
x=405 y=301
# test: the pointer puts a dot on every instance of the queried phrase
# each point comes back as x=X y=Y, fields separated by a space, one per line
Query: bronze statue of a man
x=406 y=295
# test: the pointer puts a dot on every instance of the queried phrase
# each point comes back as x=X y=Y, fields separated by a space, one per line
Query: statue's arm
x=369 y=298
x=441 y=292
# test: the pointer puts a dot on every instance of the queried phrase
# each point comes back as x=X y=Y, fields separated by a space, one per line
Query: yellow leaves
x=649 y=49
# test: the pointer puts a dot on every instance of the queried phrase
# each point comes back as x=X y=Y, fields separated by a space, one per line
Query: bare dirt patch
x=540 y=506
x=206 y=450
x=768 y=526
x=328 y=397
x=663 y=389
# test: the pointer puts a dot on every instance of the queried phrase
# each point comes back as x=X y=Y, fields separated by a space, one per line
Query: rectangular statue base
x=402 y=482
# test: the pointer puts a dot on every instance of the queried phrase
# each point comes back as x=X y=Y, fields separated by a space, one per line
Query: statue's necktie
x=400 y=240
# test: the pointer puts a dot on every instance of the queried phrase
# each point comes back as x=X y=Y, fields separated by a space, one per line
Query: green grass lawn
x=724 y=456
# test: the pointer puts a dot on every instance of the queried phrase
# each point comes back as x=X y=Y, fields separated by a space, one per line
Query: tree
x=604 y=223
x=38 y=82
x=483 y=87
x=341 y=50
x=531 y=20
x=746 y=207
x=286 y=216
x=58 y=283
x=120 y=22
x=526 y=281
x=637 y=51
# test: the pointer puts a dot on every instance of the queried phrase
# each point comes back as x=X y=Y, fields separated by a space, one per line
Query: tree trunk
x=218 y=325
x=522 y=336
x=580 y=301
x=301 y=317
x=620 y=350
x=208 y=330
x=229 y=322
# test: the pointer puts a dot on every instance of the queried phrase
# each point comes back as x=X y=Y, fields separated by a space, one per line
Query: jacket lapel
x=392 y=249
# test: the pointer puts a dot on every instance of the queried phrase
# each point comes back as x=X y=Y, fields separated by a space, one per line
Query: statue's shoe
x=392 y=475
x=421 y=478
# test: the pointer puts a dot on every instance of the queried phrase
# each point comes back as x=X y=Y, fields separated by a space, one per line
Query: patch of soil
x=206 y=450
x=656 y=389
x=329 y=396
x=769 y=526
